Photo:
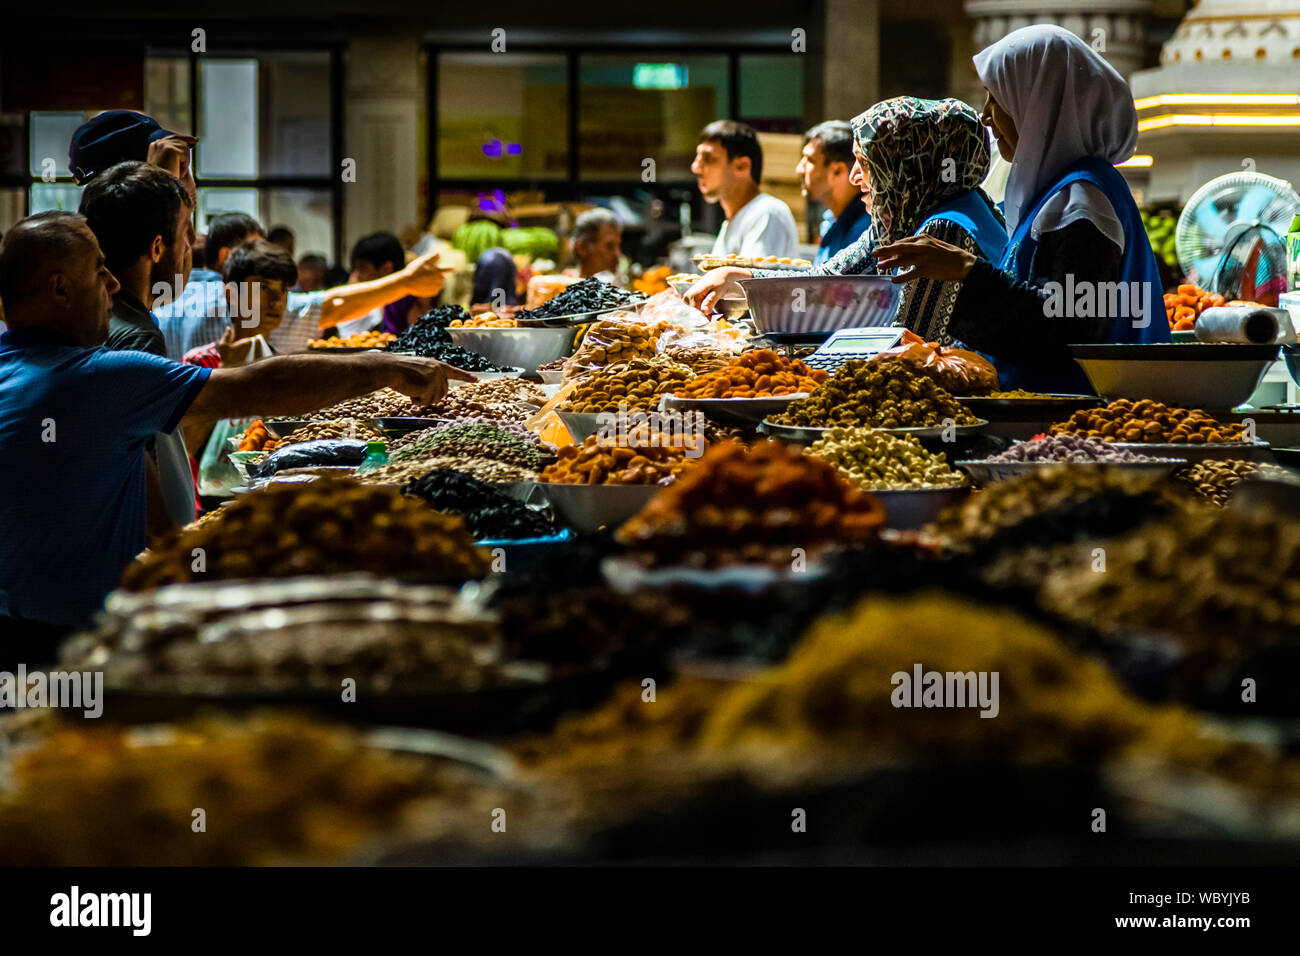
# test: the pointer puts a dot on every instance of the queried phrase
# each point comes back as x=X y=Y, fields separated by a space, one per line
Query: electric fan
x=1229 y=236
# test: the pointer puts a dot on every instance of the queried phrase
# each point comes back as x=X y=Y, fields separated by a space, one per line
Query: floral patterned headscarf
x=920 y=154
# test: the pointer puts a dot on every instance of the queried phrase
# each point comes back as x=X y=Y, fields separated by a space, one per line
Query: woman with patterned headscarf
x=919 y=164
x=1063 y=117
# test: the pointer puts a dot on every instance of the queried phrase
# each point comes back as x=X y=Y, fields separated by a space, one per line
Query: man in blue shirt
x=824 y=171
x=75 y=419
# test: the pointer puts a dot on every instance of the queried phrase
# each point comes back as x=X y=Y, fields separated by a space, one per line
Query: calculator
x=849 y=344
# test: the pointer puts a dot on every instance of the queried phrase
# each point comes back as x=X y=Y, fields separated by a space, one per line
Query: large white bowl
x=519 y=348
x=804 y=304
x=1194 y=375
x=588 y=508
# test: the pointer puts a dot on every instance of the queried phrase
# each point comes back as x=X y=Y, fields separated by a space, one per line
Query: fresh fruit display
x=475 y=238
x=1160 y=226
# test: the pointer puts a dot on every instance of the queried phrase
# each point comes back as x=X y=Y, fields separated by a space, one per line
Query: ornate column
x=383 y=99
x=1115 y=28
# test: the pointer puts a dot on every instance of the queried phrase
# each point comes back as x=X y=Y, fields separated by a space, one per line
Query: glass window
x=51 y=134
x=47 y=196
x=647 y=106
x=295 y=118
x=13 y=130
x=213 y=201
x=502 y=116
x=307 y=212
x=228 y=140
x=167 y=92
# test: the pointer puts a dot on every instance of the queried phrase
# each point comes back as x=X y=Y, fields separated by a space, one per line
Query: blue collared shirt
x=74 y=423
x=196 y=317
x=843 y=231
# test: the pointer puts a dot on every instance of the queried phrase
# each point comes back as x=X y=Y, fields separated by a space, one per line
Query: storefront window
x=647 y=106
x=771 y=92
x=502 y=116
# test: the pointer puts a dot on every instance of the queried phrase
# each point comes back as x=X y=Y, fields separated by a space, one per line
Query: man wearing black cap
x=116 y=135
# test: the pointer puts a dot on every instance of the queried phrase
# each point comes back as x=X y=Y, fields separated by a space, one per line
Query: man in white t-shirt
x=728 y=167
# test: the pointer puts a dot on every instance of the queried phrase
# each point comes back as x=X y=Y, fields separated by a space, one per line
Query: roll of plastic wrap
x=1254 y=324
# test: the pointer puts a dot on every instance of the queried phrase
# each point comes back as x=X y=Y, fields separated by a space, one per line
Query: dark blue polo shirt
x=74 y=423
x=844 y=232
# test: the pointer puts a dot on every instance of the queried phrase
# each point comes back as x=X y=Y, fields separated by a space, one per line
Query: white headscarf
x=1066 y=101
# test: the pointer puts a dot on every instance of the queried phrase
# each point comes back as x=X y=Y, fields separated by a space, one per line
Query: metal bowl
x=986 y=472
x=516 y=348
x=804 y=303
x=732 y=411
x=582 y=425
x=1199 y=375
x=909 y=509
x=587 y=508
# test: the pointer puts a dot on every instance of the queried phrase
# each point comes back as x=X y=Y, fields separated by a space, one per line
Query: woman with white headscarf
x=1078 y=268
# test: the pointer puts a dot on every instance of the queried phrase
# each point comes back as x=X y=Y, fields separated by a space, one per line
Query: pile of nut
x=338 y=428
x=1148 y=422
x=475 y=441
x=637 y=384
x=610 y=341
x=518 y=429
x=879 y=461
x=1070 y=447
x=1214 y=479
x=879 y=395
x=763 y=504
x=385 y=403
x=357 y=340
x=484 y=469
x=755 y=374
x=324 y=527
x=510 y=399
x=595 y=464
x=1220 y=579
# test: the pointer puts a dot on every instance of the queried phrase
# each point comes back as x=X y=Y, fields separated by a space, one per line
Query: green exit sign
x=660 y=76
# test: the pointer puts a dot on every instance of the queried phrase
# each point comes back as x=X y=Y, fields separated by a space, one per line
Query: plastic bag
x=311 y=454
x=217 y=476
x=619 y=338
x=957 y=370
x=668 y=307
x=703 y=350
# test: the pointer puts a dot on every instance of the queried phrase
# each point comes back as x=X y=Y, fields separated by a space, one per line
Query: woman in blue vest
x=1078 y=267
x=919 y=164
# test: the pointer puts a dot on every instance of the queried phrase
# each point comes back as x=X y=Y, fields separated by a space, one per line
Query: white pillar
x=383 y=99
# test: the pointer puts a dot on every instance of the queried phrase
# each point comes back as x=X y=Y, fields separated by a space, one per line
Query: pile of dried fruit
x=487 y=320
x=755 y=374
x=257 y=437
x=486 y=511
x=1148 y=422
x=428 y=337
x=484 y=469
x=509 y=399
x=610 y=341
x=879 y=461
x=385 y=403
x=878 y=395
x=595 y=464
x=357 y=340
x=639 y=383
x=755 y=504
x=323 y=527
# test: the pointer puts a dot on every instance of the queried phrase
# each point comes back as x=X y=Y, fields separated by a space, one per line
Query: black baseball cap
x=112 y=137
